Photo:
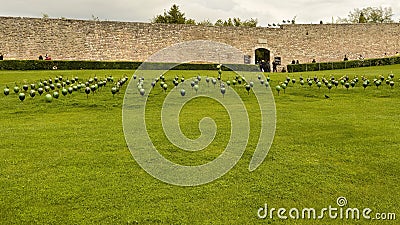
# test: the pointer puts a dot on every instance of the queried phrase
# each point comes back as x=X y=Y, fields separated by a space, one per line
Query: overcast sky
x=266 y=11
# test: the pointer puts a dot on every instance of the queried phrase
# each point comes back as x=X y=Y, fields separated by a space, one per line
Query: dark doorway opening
x=262 y=54
x=262 y=58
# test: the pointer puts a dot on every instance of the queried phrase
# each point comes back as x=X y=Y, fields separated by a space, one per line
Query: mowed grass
x=66 y=162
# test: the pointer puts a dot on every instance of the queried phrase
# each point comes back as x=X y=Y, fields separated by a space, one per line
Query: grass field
x=66 y=162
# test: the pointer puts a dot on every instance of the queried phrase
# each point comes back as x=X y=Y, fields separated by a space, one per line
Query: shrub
x=96 y=65
x=342 y=64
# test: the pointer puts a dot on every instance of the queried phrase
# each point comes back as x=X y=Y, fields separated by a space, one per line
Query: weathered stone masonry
x=26 y=38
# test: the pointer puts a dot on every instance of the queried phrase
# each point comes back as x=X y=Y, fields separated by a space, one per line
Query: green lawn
x=66 y=162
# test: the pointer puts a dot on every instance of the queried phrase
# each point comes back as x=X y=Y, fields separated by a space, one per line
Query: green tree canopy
x=369 y=15
x=174 y=15
x=205 y=23
x=237 y=22
x=362 y=18
x=219 y=23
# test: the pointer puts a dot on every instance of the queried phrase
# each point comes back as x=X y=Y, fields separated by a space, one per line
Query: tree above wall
x=175 y=16
x=369 y=15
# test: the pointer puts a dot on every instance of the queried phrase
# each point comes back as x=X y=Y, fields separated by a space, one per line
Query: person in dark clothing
x=40 y=57
x=267 y=67
x=1 y=56
x=274 y=67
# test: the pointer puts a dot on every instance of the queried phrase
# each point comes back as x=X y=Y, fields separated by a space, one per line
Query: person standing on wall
x=1 y=56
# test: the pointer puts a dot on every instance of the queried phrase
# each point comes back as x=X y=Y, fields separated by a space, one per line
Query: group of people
x=40 y=57
x=360 y=57
x=46 y=57
x=395 y=54
x=266 y=67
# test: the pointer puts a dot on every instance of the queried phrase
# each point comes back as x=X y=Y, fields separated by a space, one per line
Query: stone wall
x=26 y=38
